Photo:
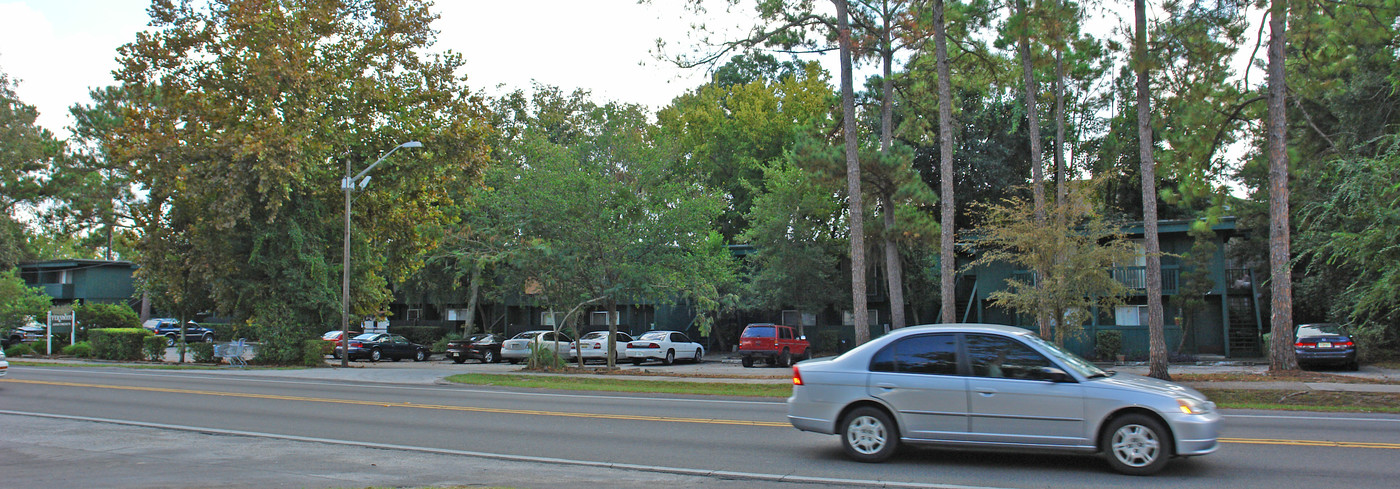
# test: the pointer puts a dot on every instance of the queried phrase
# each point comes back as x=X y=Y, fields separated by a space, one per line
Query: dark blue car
x=1324 y=344
x=170 y=329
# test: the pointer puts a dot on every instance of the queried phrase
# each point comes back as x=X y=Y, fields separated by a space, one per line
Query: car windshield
x=758 y=332
x=1319 y=330
x=527 y=335
x=655 y=336
x=1069 y=360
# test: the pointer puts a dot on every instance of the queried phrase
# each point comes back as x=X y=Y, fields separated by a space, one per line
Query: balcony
x=1134 y=278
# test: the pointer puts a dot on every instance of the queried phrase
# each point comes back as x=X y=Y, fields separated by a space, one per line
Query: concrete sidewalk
x=719 y=368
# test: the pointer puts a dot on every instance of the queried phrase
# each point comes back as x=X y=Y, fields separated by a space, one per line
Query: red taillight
x=1343 y=344
x=1305 y=345
x=796 y=376
x=356 y=344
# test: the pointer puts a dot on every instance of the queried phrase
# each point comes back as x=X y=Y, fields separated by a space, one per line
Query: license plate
x=1324 y=344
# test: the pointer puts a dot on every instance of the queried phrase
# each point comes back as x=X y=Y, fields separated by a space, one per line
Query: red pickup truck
x=774 y=343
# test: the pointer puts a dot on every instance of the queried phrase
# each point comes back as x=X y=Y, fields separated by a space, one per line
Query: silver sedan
x=996 y=387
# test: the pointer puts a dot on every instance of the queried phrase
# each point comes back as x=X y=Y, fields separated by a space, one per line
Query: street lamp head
x=411 y=144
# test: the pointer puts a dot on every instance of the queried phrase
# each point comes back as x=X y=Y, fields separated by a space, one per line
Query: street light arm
x=410 y=144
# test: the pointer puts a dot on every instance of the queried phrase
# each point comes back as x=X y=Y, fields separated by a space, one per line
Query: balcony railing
x=1134 y=278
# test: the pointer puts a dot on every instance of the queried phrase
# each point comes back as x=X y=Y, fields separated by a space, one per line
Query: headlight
x=1192 y=406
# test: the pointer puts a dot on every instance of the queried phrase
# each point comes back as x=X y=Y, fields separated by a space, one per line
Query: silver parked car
x=996 y=387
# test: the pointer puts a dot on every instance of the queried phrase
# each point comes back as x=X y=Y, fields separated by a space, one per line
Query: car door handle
x=885 y=385
x=985 y=392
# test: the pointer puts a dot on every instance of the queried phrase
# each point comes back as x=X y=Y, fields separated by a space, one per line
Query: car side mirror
x=803 y=337
x=1052 y=374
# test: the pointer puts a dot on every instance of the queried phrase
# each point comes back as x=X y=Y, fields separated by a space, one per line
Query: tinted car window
x=999 y=356
x=758 y=332
x=785 y=334
x=924 y=354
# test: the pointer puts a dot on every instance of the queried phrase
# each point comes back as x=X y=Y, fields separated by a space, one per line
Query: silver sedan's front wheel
x=868 y=435
x=1136 y=445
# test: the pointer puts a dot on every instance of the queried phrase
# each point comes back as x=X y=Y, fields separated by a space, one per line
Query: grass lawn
x=1287 y=400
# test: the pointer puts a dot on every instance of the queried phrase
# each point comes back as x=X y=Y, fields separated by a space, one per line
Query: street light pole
x=348 y=184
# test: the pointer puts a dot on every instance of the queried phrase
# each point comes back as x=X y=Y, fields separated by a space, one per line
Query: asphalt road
x=114 y=427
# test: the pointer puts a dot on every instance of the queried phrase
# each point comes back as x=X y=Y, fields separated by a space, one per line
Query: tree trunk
x=854 y=207
x=894 y=271
x=612 y=337
x=1281 y=355
x=473 y=295
x=947 y=259
x=1157 y=343
x=1060 y=190
x=1037 y=172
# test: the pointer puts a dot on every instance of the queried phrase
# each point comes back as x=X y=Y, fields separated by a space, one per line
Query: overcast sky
x=58 y=49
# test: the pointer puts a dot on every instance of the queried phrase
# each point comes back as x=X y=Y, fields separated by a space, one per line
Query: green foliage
x=312 y=354
x=81 y=349
x=232 y=331
x=1108 y=344
x=441 y=344
x=203 y=352
x=542 y=357
x=26 y=155
x=19 y=303
x=1196 y=280
x=95 y=315
x=120 y=343
x=799 y=235
x=18 y=349
x=280 y=344
x=153 y=348
x=239 y=130
x=423 y=335
x=1069 y=253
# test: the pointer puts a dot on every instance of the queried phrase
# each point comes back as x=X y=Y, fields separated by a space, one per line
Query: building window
x=551 y=319
x=414 y=314
x=600 y=318
x=849 y=319
x=1130 y=315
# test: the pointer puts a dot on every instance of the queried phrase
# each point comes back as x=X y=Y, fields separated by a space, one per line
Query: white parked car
x=518 y=348
x=4 y=364
x=666 y=346
x=594 y=346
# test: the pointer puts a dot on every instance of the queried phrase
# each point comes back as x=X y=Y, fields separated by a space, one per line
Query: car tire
x=670 y=357
x=637 y=361
x=747 y=361
x=868 y=435
x=170 y=340
x=514 y=361
x=459 y=360
x=209 y=338
x=1354 y=366
x=489 y=357
x=375 y=355
x=699 y=355
x=1135 y=444
x=335 y=354
x=419 y=356
x=785 y=359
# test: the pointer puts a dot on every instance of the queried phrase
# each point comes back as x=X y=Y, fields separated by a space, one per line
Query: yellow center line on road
x=626 y=417
x=532 y=412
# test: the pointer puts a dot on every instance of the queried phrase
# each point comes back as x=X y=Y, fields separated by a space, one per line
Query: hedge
x=232 y=331
x=118 y=343
x=423 y=335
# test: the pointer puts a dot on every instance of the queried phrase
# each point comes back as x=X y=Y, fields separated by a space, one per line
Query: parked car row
x=663 y=346
x=378 y=346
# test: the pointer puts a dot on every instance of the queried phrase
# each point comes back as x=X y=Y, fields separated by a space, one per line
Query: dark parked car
x=378 y=346
x=26 y=333
x=1324 y=344
x=170 y=329
x=485 y=347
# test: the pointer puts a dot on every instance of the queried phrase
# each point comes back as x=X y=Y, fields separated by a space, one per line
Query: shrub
x=542 y=356
x=18 y=349
x=95 y=316
x=153 y=348
x=423 y=335
x=203 y=352
x=312 y=353
x=280 y=345
x=1108 y=344
x=81 y=349
x=119 y=343
x=232 y=331
x=441 y=344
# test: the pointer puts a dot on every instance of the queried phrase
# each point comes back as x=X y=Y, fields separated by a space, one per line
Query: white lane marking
x=517 y=458
x=387 y=385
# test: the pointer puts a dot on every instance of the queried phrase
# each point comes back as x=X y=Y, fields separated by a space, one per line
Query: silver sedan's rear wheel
x=868 y=435
x=1136 y=445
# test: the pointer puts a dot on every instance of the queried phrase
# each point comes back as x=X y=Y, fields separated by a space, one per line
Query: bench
x=233 y=352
